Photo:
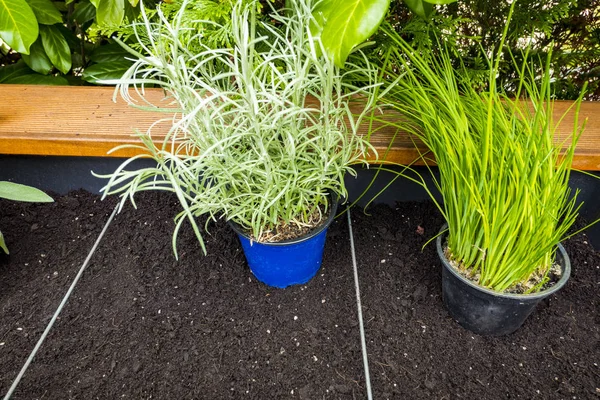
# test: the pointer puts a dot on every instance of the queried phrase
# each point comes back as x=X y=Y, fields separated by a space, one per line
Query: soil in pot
x=142 y=325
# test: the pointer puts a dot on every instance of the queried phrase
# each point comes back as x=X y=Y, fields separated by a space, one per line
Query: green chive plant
x=502 y=176
x=263 y=132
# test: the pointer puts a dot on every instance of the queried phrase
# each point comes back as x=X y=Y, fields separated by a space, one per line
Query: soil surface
x=142 y=325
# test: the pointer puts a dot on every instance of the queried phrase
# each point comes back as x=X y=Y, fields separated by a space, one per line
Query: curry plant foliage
x=503 y=179
x=16 y=192
x=264 y=129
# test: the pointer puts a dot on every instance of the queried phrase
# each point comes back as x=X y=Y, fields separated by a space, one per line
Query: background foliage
x=570 y=28
x=46 y=42
x=67 y=42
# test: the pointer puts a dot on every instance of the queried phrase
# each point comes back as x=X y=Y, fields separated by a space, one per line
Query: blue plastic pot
x=289 y=262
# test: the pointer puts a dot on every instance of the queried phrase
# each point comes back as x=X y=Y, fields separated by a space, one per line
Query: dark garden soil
x=141 y=325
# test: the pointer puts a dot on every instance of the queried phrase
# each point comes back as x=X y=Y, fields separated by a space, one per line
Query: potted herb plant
x=503 y=179
x=262 y=136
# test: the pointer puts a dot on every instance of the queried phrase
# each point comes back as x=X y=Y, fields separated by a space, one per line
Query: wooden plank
x=587 y=154
x=69 y=120
x=84 y=121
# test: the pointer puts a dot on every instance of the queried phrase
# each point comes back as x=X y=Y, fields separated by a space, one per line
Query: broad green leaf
x=420 y=8
x=18 y=25
x=77 y=60
x=347 y=23
x=134 y=3
x=3 y=244
x=61 y=5
x=109 y=12
x=17 y=192
x=424 y=8
x=108 y=53
x=37 y=79
x=84 y=12
x=440 y=1
x=56 y=48
x=73 y=41
x=37 y=59
x=45 y=12
x=95 y=3
x=105 y=71
x=12 y=71
x=132 y=12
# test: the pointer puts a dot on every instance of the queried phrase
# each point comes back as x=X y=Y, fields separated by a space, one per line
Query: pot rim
x=565 y=266
x=320 y=228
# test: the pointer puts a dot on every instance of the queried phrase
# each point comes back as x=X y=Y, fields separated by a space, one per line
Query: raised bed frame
x=85 y=121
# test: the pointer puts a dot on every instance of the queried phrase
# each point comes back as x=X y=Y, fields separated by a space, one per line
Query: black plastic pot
x=484 y=311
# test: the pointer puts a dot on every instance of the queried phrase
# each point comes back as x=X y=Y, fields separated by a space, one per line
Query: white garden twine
x=59 y=309
x=361 y=325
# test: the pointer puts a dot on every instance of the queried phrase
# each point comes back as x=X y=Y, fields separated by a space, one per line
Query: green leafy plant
x=211 y=18
x=503 y=179
x=69 y=42
x=17 y=192
x=52 y=43
x=345 y=24
x=22 y=21
x=424 y=8
x=264 y=130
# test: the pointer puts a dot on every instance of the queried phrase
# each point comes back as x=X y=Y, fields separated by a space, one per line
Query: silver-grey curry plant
x=263 y=131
